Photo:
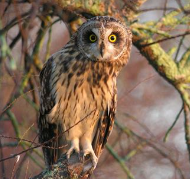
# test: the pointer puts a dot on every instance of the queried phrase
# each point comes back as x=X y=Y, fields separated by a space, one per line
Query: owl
x=78 y=90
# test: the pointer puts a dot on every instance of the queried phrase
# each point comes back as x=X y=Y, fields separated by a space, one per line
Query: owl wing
x=47 y=131
x=105 y=126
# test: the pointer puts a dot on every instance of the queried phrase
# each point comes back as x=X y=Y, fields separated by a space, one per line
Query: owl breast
x=82 y=95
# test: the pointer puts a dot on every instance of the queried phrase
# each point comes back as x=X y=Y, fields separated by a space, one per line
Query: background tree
x=150 y=109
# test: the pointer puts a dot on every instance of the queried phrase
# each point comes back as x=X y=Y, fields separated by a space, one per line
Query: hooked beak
x=102 y=49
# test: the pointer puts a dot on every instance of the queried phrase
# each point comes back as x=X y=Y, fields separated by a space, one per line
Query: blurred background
x=148 y=105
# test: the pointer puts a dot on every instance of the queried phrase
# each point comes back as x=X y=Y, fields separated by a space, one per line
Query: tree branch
x=73 y=168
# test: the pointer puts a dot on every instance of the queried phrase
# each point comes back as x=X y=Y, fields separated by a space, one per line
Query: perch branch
x=73 y=168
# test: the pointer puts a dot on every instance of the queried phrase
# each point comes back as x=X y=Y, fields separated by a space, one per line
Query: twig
x=39 y=42
x=26 y=170
x=10 y=144
x=17 y=131
x=120 y=161
x=178 y=48
x=18 y=171
x=20 y=153
x=13 y=100
x=165 y=7
x=158 y=9
x=169 y=130
x=187 y=126
x=128 y=131
x=132 y=89
x=134 y=151
x=48 y=44
x=181 y=6
x=14 y=22
x=16 y=138
x=31 y=148
x=6 y=8
x=164 y=39
x=1 y=156
x=15 y=40
x=16 y=161
x=139 y=123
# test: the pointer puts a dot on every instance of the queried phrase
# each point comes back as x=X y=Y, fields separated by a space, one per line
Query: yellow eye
x=112 y=38
x=92 y=38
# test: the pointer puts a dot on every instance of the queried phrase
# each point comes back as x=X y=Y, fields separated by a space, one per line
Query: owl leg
x=87 y=149
x=74 y=147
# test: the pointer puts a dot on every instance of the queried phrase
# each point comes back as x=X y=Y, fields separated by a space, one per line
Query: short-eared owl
x=78 y=90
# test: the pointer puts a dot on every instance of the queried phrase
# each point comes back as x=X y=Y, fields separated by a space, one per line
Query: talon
x=74 y=147
x=81 y=157
x=94 y=162
x=71 y=150
x=93 y=157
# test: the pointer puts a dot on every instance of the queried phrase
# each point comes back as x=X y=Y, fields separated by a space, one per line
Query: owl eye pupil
x=92 y=38
x=112 y=38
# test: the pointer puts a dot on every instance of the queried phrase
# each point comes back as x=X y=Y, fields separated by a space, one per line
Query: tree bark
x=73 y=168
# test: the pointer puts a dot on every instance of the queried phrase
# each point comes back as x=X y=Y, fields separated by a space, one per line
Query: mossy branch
x=73 y=168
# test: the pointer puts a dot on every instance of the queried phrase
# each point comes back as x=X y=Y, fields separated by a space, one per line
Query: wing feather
x=105 y=126
x=47 y=131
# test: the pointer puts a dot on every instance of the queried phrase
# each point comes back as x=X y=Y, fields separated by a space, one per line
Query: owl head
x=103 y=38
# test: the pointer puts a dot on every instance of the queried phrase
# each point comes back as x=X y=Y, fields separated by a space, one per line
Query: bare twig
x=120 y=161
x=158 y=9
x=14 y=166
x=39 y=145
x=165 y=7
x=2 y=165
x=26 y=170
x=182 y=7
x=164 y=39
x=176 y=119
x=14 y=22
x=130 y=132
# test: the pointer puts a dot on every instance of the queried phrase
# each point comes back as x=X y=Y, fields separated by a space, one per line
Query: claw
x=93 y=157
x=74 y=148
x=81 y=157
x=87 y=149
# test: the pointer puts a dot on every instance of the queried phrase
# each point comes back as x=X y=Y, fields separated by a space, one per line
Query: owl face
x=102 y=38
